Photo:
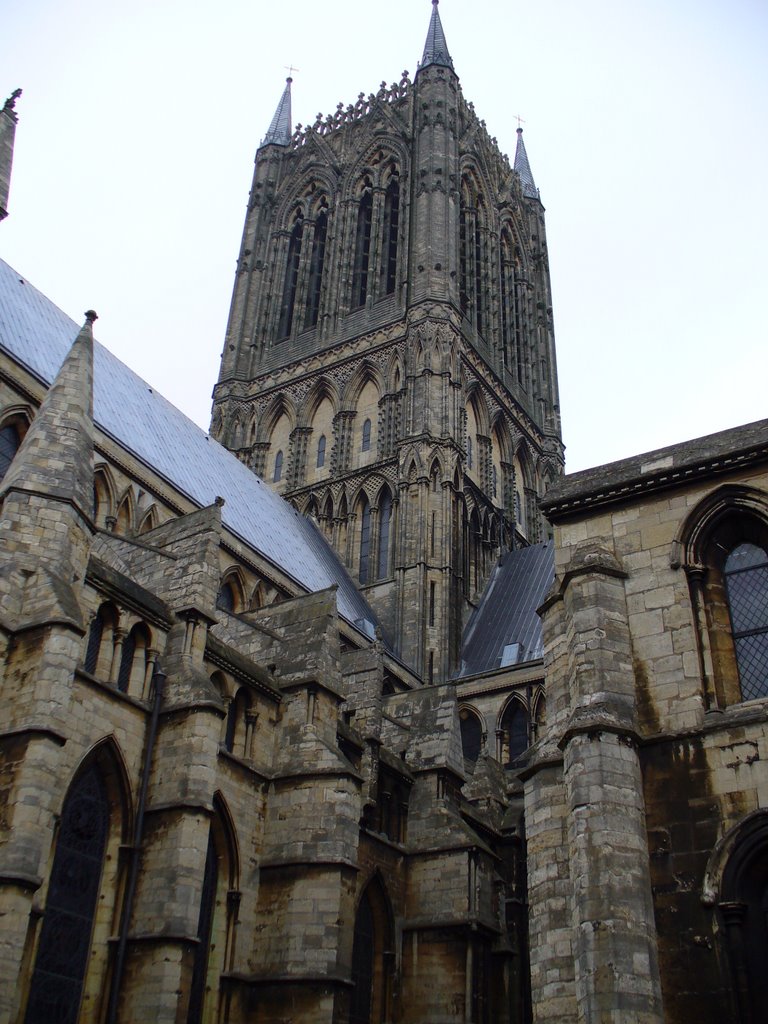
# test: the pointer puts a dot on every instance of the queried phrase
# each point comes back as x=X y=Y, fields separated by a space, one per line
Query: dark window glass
x=470 y=455
x=226 y=599
x=471 y=734
x=463 y=262
x=362 y=250
x=514 y=726
x=321 y=451
x=316 y=270
x=65 y=937
x=746 y=576
x=9 y=445
x=365 y=445
x=389 y=236
x=495 y=481
x=278 y=473
x=365 y=540
x=126 y=661
x=291 y=279
x=478 y=254
x=385 y=519
x=94 y=643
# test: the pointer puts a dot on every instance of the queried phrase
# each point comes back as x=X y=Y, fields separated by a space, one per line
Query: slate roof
x=39 y=335
x=507 y=612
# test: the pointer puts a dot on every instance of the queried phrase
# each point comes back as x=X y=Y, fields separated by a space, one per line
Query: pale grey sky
x=645 y=125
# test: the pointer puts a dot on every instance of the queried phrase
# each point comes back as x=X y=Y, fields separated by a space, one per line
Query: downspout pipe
x=158 y=684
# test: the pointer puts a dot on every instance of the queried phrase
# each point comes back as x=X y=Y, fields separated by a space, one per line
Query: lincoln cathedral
x=357 y=709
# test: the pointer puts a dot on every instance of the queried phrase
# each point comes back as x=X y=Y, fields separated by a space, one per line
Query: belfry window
x=746 y=580
x=291 y=280
x=389 y=236
x=316 y=269
x=362 y=259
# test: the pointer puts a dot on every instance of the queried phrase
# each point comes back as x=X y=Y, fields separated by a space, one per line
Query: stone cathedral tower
x=389 y=364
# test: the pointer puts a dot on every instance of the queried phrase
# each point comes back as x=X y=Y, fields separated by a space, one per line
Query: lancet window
x=472 y=255
x=291 y=279
x=365 y=539
x=362 y=256
x=389 y=235
x=385 y=520
x=317 y=263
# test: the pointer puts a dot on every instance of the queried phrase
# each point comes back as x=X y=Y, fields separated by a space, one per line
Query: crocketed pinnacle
x=436 y=48
x=523 y=168
x=281 y=128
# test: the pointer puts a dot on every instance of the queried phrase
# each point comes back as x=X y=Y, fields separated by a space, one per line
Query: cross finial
x=520 y=121
x=290 y=69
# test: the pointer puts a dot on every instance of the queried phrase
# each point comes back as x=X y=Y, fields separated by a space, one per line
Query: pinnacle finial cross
x=520 y=120
x=290 y=69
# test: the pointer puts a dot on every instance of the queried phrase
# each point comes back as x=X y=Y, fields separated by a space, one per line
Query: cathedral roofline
x=626 y=479
x=436 y=48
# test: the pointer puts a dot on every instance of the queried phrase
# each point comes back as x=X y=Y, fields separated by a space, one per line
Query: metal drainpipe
x=158 y=682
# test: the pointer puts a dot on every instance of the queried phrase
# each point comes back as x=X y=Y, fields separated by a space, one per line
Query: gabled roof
x=39 y=336
x=506 y=614
x=280 y=128
x=436 y=48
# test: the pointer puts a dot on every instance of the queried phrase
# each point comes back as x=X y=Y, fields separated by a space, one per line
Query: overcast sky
x=646 y=126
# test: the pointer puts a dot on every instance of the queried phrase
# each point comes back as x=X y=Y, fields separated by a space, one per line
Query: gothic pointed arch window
x=365 y=438
x=316 y=267
x=515 y=732
x=385 y=521
x=132 y=675
x=471 y=733
x=472 y=255
x=217 y=917
x=11 y=435
x=101 y=642
x=365 y=539
x=321 y=443
x=389 y=234
x=277 y=474
x=362 y=252
x=291 y=279
x=724 y=546
x=89 y=820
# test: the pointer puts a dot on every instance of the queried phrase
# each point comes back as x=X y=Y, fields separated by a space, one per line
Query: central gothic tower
x=389 y=365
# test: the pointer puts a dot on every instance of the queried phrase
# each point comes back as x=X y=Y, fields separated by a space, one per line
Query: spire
x=281 y=128
x=8 y=119
x=523 y=168
x=436 y=48
x=55 y=456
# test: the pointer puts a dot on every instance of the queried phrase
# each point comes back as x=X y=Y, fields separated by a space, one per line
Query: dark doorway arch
x=744 y=911
x=372 y=957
